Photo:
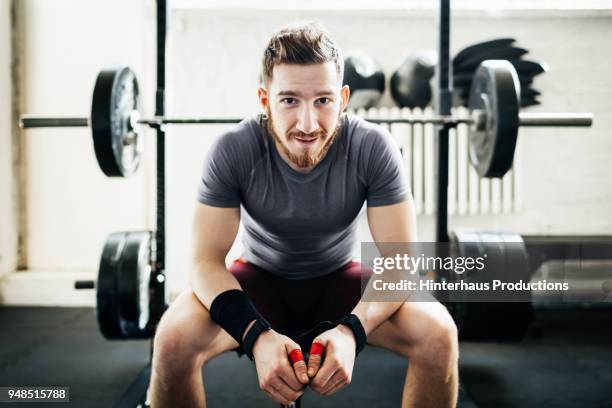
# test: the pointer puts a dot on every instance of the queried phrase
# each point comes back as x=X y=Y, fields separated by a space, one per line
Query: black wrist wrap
x=233 y=311
x=251 y=336
x=353 y=322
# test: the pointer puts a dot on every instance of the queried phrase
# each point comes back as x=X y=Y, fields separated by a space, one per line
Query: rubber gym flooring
x=565 y=361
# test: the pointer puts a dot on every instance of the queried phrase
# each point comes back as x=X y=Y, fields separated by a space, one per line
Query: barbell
x=494 y=118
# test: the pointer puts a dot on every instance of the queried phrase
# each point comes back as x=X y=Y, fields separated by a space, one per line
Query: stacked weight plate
x=123 y=286
x=491 y=315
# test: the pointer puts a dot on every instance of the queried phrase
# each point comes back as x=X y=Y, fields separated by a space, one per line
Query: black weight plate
x=118 y=147
x=493 y=320
x=517 y=258
x=133 y=285
x=507 y=321
x=495 y=91
x=526 y=102
x=464 y=80
x=466 y=244
x=529 y=68
x=481 y=47
x=526 y=81
x=509 y=252
x=530 y=92
x=461 y=99
x=461 y=304
x=107 y=305
x=507 y=53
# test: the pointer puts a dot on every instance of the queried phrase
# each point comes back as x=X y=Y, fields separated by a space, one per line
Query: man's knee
x=173 y=351
x=441 y=340
x=184 y=338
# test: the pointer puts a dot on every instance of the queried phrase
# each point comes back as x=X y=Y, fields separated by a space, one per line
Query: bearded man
x=297 y=178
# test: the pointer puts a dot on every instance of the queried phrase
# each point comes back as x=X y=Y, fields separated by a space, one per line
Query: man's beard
x=308 y=158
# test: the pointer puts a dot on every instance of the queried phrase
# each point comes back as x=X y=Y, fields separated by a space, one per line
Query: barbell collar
x=555 y=119
x=31 y=121
x=85 y=284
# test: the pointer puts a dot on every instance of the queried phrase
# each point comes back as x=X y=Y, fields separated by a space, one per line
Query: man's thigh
x=410 y=326
x=187 y=326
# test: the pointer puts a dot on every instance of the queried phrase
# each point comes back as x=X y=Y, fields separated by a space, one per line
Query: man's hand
x=338 y=361
x=277 y=378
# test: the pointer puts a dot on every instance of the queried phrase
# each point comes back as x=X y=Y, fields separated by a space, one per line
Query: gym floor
x=564 y=361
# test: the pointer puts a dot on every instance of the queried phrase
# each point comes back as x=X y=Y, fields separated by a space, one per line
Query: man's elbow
x=203 y=266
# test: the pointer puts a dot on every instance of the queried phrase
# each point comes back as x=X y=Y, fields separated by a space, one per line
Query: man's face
x=303 y=104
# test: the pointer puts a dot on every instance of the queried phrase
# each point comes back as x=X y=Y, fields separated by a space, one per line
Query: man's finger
x=314 y=359
x=299 y=365
x=337 y=387
x=333 y=382
x=328 y=367
x=285 y=391
x=275 y=395
x=289 y=375
x=321 y=379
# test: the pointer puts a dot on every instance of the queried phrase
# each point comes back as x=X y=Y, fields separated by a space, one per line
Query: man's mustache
x=318 y=134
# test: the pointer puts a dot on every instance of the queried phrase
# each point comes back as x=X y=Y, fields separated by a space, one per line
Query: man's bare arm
x=392 y=223
x=214 y=231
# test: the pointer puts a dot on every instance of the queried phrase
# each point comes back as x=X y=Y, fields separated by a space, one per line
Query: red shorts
x=293 y=305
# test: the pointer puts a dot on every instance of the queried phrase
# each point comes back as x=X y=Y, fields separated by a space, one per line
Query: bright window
x=396 y=4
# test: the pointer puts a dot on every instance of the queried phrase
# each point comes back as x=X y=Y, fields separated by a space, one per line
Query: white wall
x=8 y=215
x=71 y=206
x=214 y=59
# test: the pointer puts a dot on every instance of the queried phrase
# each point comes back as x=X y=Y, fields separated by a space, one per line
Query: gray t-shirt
x=302 y=225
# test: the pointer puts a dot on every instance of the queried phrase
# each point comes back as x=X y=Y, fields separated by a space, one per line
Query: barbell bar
x=494 y=118
x=525 y=119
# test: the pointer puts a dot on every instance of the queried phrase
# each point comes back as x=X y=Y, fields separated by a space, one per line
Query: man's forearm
x=209 y=279
x=372 y=314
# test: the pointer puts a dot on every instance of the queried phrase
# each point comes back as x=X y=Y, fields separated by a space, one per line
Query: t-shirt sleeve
x=220 y=184
x=385 y=177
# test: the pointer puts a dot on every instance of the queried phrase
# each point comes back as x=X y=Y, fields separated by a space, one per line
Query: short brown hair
x=303 y=44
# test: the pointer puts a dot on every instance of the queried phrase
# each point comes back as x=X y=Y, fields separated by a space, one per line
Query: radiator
x=468 y=194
